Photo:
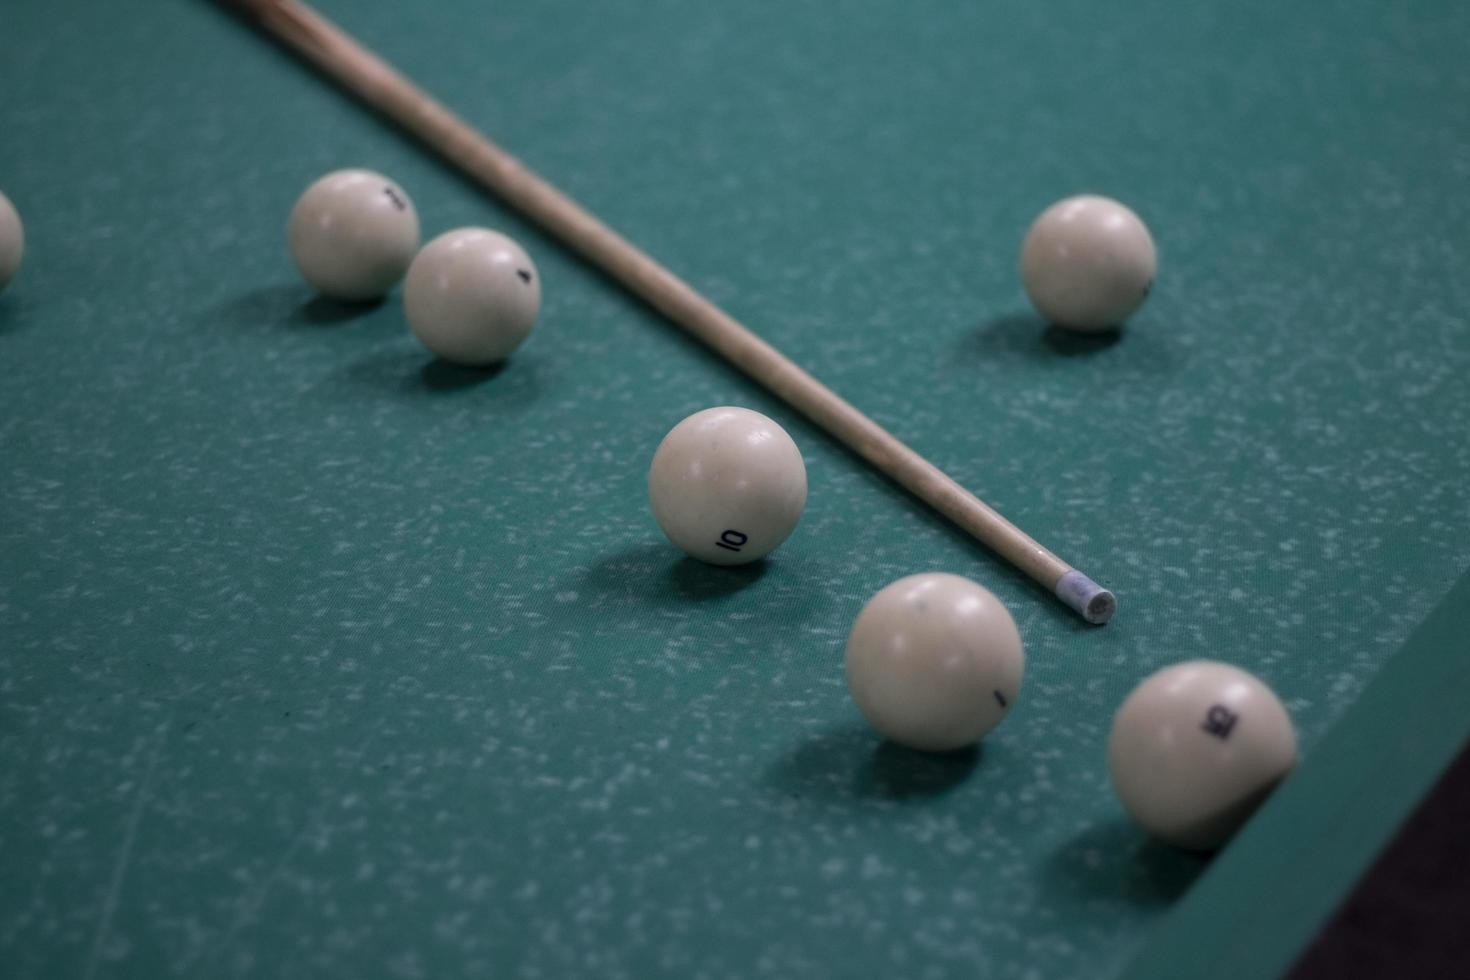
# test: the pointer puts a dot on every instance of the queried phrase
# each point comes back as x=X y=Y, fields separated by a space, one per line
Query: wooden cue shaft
x=376 y=83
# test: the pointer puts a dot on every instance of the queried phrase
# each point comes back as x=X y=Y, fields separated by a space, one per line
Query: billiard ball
x=727 y=485
x=472 y=296
x=934 y=662
x=352 y=234
x=1087 y=263
x=1196 y=748
x=12 y=241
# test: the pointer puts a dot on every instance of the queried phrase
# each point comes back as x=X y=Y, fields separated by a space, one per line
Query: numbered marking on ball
x=732 y=541
x=1219 y=720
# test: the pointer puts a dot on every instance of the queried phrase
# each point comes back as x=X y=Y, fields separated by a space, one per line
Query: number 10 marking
x=731 y=540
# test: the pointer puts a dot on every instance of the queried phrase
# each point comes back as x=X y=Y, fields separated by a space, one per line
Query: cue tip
x=1090 y=600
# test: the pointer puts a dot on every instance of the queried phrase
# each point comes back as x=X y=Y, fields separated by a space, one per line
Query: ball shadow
x=651 y=580
x=1025 y=335
x=1117 y=860
x=625 y=576
x=1072 y=343
x=654 y=573
x=292 y=305
x=264 y=307
x=442 y=375
x=9 y=315
x=893 y=772
x=400 y=370
x=693 y=579
x=851 y=764
x=324 y=311
x=1015 y=338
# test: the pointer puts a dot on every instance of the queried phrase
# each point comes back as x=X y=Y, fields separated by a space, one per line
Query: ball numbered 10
x=727 y=485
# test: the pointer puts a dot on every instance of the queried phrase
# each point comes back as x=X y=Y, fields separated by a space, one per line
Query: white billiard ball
x=1088 y=262
x=472 y=296
x=934 y=662
x=1196 y=748
x=12 y=241
x=727 y=485
x=352 y=234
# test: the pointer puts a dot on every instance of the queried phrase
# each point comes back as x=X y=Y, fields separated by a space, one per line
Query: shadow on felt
x=652 y=576
x=442 y=375
x=406 y=370
x=1117 y=860
x=655 y=573
x=9 y=314
x=291 y=305
x=323 y=311
x=691 y=578
x=851 y=763
x=1025 y=337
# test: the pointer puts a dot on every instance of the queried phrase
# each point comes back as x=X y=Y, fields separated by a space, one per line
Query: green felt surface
x=320 y=658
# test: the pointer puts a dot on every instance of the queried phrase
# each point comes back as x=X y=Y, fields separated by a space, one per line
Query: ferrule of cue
x=362 y=73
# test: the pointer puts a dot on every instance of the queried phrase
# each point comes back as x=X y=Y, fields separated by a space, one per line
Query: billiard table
x=322 y=657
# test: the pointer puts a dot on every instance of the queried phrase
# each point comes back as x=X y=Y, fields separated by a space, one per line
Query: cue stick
x=373 y=81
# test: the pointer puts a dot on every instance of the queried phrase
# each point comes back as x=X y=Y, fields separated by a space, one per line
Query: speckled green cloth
x=321 y=658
